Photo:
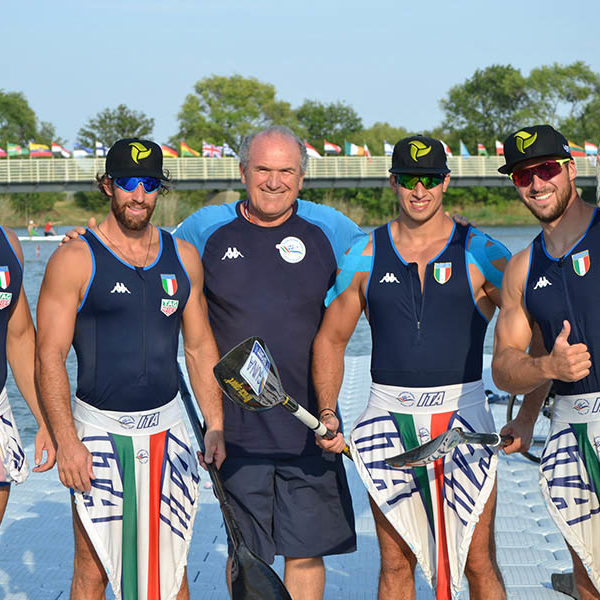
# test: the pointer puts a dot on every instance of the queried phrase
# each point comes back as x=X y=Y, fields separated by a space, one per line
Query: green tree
x=112 y=124
x=18 y=123
x=560 y=92
x=225 y=109
x=487 y=106
x=34 y=203
x=335 y=122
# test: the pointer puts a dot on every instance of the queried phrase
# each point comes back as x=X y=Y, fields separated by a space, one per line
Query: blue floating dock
x=36 y=556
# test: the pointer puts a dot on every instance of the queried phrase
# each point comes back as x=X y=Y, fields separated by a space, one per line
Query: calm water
x=36 y=255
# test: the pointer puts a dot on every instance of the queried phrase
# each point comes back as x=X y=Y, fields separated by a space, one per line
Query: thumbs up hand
x=569 y=362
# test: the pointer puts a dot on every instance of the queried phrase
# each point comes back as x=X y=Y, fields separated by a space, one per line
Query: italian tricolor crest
x=4 y=277
x=442 y=272
x=169 y=283
x=581 y=262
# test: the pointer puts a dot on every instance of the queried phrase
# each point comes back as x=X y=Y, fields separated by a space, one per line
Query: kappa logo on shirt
x=120 y=288
x=542 y=282
x=389 y=278
x=232 y=253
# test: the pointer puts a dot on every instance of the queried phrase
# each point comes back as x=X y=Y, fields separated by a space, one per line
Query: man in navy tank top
x=550 y=289
x=429 y=287
x=269 y=261
x=17 y=345
x=120 y=293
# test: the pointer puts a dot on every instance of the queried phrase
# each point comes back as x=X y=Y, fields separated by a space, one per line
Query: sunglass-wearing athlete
x=553 y=286
x=429 y=287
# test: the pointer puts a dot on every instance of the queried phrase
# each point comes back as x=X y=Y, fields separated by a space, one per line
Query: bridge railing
x=14 y=172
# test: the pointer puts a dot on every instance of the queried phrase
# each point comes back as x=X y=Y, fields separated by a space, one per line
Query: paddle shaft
x=198 y=429
x=310 y=421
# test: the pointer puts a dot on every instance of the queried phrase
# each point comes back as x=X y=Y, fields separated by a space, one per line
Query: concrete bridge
x=77 y=174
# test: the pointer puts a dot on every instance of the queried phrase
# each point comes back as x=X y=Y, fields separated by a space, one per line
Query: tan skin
x=420 y=233
x=273 y=178
x=20 y=351
x=513 y=369
x=67 y=276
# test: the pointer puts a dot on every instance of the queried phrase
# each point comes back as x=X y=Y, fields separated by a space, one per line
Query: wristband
x=327 y=410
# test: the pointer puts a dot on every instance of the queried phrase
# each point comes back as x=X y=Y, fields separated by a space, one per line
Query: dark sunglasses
x=128 y=184
x=410 y=181
x=546 y=171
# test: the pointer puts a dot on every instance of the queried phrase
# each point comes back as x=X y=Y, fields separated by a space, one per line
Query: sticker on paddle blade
x=256 y=368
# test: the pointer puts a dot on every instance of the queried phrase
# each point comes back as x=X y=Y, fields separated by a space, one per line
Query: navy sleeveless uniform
x=558 y=289
x=429 y=338
x=426 y=368
x=127 y=329
x=13 y=463
x=271 y=282
x=11 y=279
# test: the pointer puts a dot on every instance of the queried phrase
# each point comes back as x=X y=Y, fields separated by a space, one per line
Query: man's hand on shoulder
x=77 y=231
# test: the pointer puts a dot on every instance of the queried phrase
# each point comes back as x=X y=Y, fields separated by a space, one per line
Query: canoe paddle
x=249 y=377
x=444 y=444
x=251 y=577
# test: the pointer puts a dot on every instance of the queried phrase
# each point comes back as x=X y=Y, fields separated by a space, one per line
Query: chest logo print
x=120 y=288
x=581 y=262
x=389 y=278
x=232 y=253
x=4 y=277
x=5 y=298
x=542 y=282
x=291 y=249
x=442 y=272
x=169 y=283
x=168 y=306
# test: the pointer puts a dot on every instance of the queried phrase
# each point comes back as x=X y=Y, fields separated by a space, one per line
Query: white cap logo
x=291 y=249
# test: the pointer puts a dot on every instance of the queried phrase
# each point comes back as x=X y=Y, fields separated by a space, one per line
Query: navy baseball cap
x=132 y=157
x=419 y=155
x=538 y=141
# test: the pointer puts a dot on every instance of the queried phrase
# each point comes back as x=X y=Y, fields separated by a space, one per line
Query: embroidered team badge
x=169 y=283
x=442 y=272
x=291 y=249
x=5 y=298
x=4 y=277
x=581 y=262
x=168 y=306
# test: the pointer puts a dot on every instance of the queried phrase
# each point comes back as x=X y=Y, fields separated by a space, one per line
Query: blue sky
x=390 y=60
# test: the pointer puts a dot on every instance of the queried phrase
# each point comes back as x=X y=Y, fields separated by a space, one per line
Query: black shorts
x=298 y=507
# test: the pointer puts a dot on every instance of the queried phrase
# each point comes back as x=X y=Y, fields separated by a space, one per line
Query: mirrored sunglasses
x=128 y=184
x=546 y=171
x=410 y=181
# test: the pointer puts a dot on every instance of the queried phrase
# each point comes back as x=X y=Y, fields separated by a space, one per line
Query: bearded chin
x=557 y=212
x=128 y=223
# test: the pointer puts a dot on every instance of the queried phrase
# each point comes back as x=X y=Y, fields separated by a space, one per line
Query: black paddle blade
x=249 y=376
x=253 y=579
x=428 y=452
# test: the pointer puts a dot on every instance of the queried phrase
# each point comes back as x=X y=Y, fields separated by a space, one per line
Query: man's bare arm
x=20 y=351
x=201 y=355
x=513 y=369
x=67 y=274
x=328 y=353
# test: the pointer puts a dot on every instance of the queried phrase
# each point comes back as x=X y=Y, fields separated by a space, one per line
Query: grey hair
x=244 y=151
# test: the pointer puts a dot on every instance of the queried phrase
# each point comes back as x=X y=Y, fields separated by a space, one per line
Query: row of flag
x=588 y=149
x=215 y=151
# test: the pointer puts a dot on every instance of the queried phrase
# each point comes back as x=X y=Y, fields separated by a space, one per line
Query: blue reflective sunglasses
x=128 y=184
